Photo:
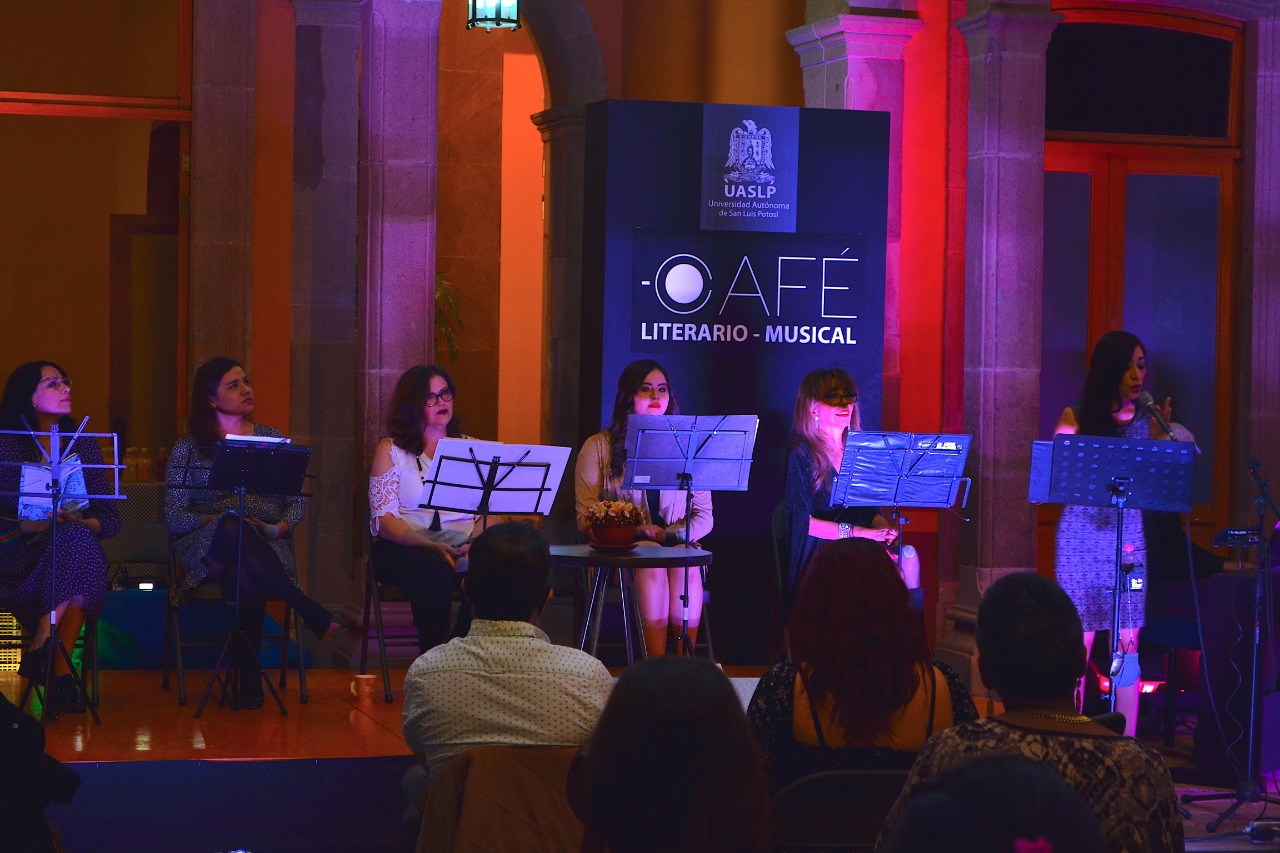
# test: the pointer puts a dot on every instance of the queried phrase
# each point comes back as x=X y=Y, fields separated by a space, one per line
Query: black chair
x=834 y=810
x=288 y=639
x=14 y=642
x=781 y=558
x=374 y=595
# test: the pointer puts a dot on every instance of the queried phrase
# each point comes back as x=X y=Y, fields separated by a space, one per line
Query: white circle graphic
x=684 y=283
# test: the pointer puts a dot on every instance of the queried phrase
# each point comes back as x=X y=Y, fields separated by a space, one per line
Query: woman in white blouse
x=418 y=550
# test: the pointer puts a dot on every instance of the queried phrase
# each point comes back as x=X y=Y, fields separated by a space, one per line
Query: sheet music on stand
x=484 y=477
x=902 y=469
x=271 y=467
x=717 y=448
x=1079 y=469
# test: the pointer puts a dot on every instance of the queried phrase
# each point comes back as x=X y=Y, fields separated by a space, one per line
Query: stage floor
x=142 y=723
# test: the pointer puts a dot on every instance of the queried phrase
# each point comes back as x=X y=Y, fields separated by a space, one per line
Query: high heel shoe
x=67 y=698
x=35 y=663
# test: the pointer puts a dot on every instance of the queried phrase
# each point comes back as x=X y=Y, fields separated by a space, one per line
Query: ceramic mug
x=362 y=687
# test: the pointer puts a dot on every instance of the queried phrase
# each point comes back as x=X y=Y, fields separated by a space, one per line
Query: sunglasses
x=840 y=398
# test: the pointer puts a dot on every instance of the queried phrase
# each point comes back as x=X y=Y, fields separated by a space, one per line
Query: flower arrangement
x=613 y=513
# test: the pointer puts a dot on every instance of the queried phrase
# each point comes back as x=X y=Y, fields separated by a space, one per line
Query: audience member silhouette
x=673 y=766
x=1031 y=650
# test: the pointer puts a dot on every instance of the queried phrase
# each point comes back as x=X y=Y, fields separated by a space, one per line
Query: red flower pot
x=614 y=537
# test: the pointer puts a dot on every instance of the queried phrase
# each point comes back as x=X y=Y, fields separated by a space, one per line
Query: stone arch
x=574 y=70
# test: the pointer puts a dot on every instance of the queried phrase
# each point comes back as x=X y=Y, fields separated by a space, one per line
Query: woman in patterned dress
x=421 y=551
x=1086 y=536
x=37 y=397
x=207 y=529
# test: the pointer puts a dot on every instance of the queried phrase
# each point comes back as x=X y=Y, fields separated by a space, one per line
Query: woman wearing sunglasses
x=826 y=409
x=418 y=550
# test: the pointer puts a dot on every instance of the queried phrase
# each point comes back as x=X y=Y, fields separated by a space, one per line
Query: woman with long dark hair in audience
x=672 y=765
x=863 y=691
x=1030 y=650
x=826 y=410
x=1086 y=538
x=644 y=388
x=419 y=550
x=207 y=530
x=37 y=396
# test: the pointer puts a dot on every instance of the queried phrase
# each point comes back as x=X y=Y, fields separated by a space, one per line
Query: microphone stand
x=1247 y=787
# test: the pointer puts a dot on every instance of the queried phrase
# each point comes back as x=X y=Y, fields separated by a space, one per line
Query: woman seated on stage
x=207 y=528
x=863 y=692
x=419 y=550
x=1031 y=650
x=36 y=398
x=672 y=765
x=826 y=409
x=644 y=389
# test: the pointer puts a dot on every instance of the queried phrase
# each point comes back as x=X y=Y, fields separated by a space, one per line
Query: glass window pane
x=1119 y=78
x=1171 y=297
x=91 y=47
x=1064 y=317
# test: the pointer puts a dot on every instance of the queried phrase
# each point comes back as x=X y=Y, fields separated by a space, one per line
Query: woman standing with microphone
x=1112 y=404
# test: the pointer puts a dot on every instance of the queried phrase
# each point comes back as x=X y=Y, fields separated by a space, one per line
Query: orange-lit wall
x=520 y=326
x=272 y=269
x=716 y=51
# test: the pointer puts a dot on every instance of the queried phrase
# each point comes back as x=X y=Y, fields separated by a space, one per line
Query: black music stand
x=1122 y=473
x=484 y=477
x=56 y=457
x=264 y=468
x=672 y=451
x=903 y=470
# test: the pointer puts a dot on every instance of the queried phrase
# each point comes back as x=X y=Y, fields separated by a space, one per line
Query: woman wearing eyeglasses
x=826 y=409
x=36 y=398
x=415 y=549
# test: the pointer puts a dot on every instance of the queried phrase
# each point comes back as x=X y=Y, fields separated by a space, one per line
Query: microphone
x=1145 y=402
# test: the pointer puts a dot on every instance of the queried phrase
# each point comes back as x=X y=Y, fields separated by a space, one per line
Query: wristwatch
x=846 y=530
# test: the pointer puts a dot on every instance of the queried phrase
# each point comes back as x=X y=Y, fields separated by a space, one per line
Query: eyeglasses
x=443 y=397
x=53 y=383
x=839 y=398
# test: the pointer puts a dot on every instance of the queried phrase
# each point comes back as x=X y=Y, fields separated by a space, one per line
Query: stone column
x=400 y=77
x=855 y=62
x=323 y=354
x=1260 y=267
x=223 y=79
x=563 y=130
x=397 y=202
x=1004 y=260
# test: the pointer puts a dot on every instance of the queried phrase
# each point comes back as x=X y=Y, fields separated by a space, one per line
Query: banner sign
x=749 y=167
x=740 y=247
x=711 y=292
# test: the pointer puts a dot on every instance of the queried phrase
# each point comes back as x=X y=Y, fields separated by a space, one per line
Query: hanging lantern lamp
x=493 y=14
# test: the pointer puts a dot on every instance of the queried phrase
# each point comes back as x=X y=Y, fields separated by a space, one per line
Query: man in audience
x=505 y=682
x=1031 y=650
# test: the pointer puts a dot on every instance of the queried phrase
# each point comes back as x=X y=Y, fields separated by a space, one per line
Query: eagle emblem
x=750 y=154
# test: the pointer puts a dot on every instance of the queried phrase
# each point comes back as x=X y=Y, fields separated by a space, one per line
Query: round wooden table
x=609 y=562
